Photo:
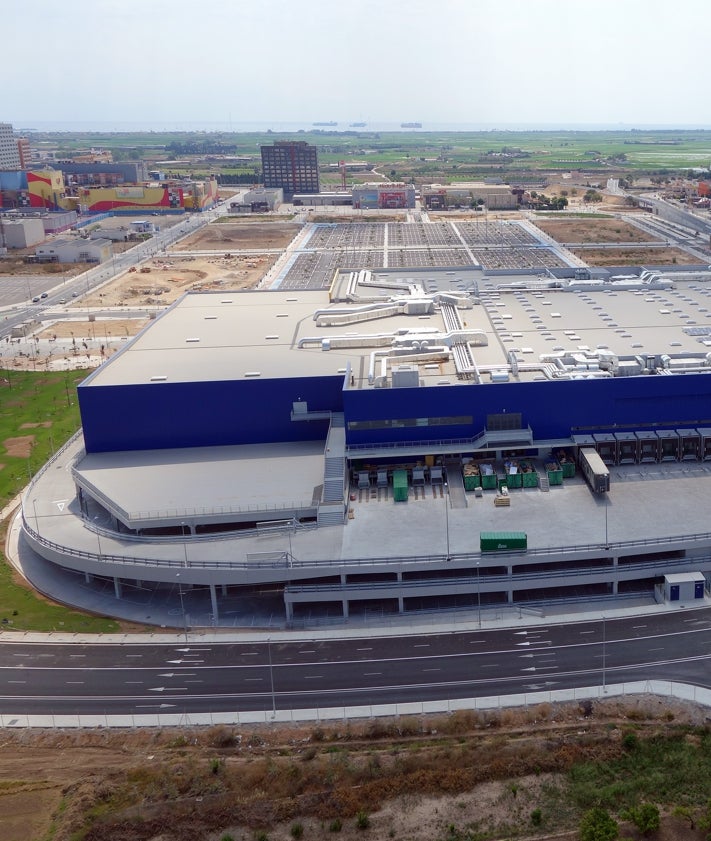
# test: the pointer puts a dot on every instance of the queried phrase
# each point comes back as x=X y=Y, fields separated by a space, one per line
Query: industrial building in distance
x=409 y=439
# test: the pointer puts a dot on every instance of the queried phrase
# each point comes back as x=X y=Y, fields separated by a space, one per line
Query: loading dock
x=627 y=448
x=606 y=446
x=648 y=447
x=705 y=443
x=689 y=444
x=668 y=445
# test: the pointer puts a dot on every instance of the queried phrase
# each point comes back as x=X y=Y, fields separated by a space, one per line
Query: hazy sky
x=497 y=62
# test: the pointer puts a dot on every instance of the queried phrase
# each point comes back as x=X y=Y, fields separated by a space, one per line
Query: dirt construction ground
x=168 y=279
x=466 y=777
x=582 y=230
x=241 y=235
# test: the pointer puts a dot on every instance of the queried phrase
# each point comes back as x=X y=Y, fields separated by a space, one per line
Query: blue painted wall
x=204 y=414
x=551 y=409
x=165 y=415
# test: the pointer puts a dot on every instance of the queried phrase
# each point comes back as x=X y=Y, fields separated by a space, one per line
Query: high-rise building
x=24 y=151
x=291 y=165
x=9 y=152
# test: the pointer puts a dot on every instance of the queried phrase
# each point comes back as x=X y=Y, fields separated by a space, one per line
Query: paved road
x=217 y=677
x=82 y=284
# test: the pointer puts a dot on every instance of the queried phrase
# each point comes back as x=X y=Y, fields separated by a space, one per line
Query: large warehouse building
x=362 y=445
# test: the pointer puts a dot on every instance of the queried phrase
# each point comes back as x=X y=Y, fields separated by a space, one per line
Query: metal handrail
x=471 y=557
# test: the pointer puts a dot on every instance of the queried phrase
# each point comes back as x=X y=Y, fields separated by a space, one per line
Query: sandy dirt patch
x=44 y=424
x=169 y=278
x=83 y=330
x=20 y=447
x=240 y=235
x=593 y=230
x=635 y=256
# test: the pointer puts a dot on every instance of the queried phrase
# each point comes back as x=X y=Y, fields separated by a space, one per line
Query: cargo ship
x=410 y=125
x=358 y=125
x=324 y=124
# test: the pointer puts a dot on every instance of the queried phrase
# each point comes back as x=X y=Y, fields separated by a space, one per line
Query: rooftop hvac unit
x=405 y=376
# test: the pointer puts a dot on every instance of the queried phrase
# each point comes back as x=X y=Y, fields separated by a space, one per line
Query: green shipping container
x=502 y=541
x=400 y=489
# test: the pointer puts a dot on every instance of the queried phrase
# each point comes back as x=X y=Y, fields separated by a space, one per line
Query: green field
x=424 y=155
x=42 y=405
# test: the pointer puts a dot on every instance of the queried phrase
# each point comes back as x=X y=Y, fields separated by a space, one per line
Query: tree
x=645 y=817
x=598 y=825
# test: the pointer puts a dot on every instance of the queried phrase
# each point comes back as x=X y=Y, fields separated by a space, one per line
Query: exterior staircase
x=332 y=507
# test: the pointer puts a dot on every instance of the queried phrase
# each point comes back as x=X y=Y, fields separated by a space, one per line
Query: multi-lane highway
x=200 y=677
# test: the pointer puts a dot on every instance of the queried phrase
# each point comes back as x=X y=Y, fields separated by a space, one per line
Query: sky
x=490 y=63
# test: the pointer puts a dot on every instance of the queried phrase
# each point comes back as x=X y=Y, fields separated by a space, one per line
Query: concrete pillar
x=344 y=578
x=139 y=583
x=118 y=588
x=289 y=611
x=400 y=604
x=345 y=608
x=213 y=599
x=509 y=596
x=88 y=577
x=224 y=589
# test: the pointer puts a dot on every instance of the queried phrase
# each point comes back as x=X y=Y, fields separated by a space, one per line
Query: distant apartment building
x=9 y=152
x=24 y=151
x=291 y=166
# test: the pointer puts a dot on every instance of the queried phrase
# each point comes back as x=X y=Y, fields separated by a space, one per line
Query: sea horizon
x=329 y=126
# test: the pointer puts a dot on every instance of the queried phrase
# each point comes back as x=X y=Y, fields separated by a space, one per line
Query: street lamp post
x=182 y=606
x=185 y=545
x=446 y=515
x=98 y=538
x=271 y=675
x=604 y=685
x=478 y=595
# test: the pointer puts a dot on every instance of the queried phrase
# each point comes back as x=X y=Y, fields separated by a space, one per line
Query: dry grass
x=474 y=771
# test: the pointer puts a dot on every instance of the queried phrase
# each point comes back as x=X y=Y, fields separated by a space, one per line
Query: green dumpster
x=400 y=489
x=529 y=477
x=489 y=480
x=513 y=474
x=555 y=473
x=472 y=481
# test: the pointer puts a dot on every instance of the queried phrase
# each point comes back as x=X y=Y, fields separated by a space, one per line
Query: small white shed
x=684 y=586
